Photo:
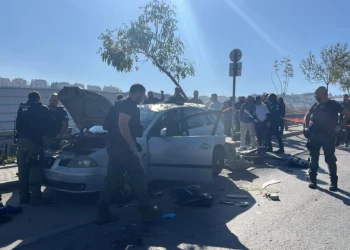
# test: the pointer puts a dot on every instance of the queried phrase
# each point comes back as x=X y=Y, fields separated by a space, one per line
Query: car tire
x=218 y=160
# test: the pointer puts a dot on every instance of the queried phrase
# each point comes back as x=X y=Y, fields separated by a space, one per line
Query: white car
x=179 y=143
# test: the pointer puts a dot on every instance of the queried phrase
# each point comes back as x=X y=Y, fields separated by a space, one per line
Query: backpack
x=111 y=121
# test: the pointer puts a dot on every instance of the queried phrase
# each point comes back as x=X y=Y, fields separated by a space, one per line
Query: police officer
x=124 y=156
x=322 y=133
x=60 y=115
x=177 y=98
x=34 y=120
x=274 y=117
x=154 y=100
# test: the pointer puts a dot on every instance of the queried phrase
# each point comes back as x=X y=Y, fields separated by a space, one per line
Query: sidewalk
x=8 y=178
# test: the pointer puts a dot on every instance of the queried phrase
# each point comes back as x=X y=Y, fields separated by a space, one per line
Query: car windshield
x=146 y=116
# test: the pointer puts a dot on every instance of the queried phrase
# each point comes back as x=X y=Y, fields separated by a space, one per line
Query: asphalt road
x=302 y=219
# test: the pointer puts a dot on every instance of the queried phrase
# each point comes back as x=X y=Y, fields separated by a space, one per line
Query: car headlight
x=82 y=162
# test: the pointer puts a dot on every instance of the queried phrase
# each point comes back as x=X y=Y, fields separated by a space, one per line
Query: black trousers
x=281 y=126
x=316 y=142
x=347 y=137
x=273 y=130
x=261 y=133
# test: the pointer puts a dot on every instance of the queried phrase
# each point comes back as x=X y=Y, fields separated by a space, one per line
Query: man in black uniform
x=60 y=115
x=177 y=98
x=195 y=98
x=34 y=120
x=238 y=105
x=274 y=117
x=322 y=133
x=124 y=156
x=346 y=104
x=154 y=100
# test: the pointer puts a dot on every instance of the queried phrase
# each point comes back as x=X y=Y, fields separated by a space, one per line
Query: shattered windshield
x=146 y=116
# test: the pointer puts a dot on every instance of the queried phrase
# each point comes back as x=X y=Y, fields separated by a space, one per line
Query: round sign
x=236 y=55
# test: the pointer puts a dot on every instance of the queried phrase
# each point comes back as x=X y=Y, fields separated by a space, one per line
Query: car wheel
x=218 y=161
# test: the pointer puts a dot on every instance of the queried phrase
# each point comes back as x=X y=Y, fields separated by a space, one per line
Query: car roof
x=165 y=106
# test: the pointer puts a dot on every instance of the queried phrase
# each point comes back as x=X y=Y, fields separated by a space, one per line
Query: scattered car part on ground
x=268 y=183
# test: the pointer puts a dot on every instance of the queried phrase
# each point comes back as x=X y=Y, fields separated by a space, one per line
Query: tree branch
x=167 y=73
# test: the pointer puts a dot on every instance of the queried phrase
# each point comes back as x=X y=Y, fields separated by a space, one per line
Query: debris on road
x=237 y=196
x=191 y=196
x=238 y=204
x=268 y=183
x=168 y=216
x=274 y=196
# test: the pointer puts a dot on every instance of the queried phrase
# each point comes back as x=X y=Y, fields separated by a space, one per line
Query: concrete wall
x=10 y=99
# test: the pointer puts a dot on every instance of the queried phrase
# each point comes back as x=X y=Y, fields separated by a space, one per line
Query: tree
x=334 y=62
x=286 y=67
x=152 y=37
x=345 y=83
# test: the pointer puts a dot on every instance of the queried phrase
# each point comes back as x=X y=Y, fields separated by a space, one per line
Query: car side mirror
x=163 y=132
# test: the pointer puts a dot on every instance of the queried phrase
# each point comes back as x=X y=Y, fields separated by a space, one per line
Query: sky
x=58 y=41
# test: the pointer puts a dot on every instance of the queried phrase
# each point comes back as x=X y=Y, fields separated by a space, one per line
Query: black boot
x=334 y=184
x=312 y=183
x=104 y=216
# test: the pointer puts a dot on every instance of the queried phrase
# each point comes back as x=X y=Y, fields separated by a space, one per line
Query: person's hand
x=338 y=129
x=135 y=152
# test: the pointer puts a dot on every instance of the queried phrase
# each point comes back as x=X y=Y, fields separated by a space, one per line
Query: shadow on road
x=192 y=228
x=345 y=200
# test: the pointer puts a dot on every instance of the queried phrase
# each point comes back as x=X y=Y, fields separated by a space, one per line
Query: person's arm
x=308 y=116
x=48 y=121
x=64 y=124
x=241 y=112
x=346 y=117
x=123 y=124
x=307 y=119
x=345 y=113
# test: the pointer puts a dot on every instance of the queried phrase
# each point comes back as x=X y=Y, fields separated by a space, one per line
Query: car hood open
x=87 y=108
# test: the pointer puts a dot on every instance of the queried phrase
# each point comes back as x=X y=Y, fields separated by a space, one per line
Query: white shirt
x=261 y=112
x=215 y=105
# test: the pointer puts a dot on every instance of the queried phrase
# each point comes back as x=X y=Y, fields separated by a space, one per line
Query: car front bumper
x=72 y=180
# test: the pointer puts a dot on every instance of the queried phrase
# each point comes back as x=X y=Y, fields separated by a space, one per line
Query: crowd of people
x=261 y=117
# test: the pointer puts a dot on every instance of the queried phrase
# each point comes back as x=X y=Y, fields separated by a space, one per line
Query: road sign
x=238 y=69
x=236 y=55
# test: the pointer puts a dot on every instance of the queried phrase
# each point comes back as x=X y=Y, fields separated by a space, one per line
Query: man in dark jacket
x=154 y=100
x=274 y=120
x=322 y=133
x=346 y=104
x=238 y=105
x=177 y=98
x=33 y=122
x=195 y=98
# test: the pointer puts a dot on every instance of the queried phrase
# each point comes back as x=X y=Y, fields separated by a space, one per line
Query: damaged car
x=179 y=143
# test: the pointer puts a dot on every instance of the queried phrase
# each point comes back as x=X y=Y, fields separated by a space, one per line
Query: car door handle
x=205 y=146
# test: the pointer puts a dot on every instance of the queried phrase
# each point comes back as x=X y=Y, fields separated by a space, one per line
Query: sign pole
x=233 y=126
x=235 y=70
